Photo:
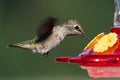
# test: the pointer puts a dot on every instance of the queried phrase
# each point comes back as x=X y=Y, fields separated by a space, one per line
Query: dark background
x=18 y=22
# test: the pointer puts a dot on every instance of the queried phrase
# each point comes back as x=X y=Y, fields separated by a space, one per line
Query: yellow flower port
x=103 y=43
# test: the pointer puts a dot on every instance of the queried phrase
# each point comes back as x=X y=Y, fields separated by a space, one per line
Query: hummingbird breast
x=54 y=39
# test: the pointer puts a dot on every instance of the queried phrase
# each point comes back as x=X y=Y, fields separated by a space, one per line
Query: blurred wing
x=45 y=29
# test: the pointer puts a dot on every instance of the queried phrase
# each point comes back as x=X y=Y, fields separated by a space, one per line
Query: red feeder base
x=98 y=66
x=102 y=72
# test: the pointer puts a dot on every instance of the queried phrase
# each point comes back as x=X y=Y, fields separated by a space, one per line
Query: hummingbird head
x=73 y=27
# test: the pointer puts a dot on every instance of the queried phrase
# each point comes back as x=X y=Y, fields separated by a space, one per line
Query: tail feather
x=11 y=45
x=27 y=45
x=17 y=46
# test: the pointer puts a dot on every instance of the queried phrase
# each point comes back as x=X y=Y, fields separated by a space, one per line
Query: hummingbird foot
x=46 y=54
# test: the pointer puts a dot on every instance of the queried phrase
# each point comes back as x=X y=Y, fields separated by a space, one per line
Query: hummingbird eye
x=77 y=27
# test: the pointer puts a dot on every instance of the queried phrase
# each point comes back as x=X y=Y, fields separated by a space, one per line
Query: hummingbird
x=50 y=35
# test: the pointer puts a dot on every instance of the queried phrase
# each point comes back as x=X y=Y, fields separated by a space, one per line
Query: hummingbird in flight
x=50 y=35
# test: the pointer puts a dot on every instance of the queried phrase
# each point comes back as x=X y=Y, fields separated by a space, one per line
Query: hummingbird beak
x=84 y=35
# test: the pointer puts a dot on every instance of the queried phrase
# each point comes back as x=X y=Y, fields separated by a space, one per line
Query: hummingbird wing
x=45 y=29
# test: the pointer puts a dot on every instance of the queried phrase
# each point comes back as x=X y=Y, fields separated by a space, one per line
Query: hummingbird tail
x=16 y=46
x=24 y=45
x=12 y=45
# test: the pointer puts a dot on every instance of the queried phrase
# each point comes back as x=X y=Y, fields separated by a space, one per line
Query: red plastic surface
x=63 y=59
x=102 y=72
x=92 y=60
x=97 y=60
x=116 y=30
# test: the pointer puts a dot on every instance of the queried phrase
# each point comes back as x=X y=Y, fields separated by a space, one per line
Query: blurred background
x=18 y=22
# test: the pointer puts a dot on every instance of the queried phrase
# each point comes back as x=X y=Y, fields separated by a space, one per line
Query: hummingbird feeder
x=101 y=57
